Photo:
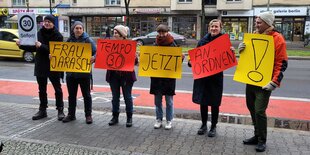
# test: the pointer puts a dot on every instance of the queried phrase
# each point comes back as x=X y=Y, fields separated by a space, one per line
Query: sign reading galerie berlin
x=70 y=57
x=27 y=28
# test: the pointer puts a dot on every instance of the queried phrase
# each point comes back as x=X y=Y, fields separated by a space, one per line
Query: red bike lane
x=278 y=108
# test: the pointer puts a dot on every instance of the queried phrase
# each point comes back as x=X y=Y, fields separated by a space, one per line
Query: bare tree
x=127 y=2
x=203 y=19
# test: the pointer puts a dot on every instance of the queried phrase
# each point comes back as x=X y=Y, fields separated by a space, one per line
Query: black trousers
x=214 y=115
x=72 y=85
x=42 y=83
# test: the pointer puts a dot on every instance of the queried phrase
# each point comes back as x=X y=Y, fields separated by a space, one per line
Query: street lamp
x=51 y=11
x=268 y=5
x=27 y=4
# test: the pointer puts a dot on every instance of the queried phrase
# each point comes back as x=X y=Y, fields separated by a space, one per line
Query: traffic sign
x=27 y=28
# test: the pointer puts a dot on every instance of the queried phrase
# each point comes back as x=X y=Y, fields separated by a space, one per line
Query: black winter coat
x=163 y=86
x=42 y=61
x=208 y=90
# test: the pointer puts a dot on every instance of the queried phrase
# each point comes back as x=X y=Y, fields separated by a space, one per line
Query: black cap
x=50 y=18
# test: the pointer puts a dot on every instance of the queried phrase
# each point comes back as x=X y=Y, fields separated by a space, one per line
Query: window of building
x=210 y=2
x=185 y=26
x=113 y=2
x=97 y=26
x=19 y=2
x=235 y=27
x=140 y=26
x=185 y=1
x=53 y=1
x=74 y=1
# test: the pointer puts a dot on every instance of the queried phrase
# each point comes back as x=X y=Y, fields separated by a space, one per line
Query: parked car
x=151 y=37
x=8 y=47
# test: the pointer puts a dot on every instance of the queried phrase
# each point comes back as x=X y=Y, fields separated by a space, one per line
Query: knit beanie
x=267 y=17
x=162 y=27
x=50 y=18
x=77 y=23
x=122 y=30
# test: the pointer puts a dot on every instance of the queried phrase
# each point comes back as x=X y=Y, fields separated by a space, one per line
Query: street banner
x=159 y=61
x=212 y=58
x=256 y=61
x=70 y=57
x=27 y=28
x=116 y=54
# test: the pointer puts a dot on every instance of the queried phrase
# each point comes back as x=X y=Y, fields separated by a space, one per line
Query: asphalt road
x=294 y=85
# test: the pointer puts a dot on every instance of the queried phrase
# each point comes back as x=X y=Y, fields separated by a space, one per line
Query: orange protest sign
x=212 y=58
x=116 y=54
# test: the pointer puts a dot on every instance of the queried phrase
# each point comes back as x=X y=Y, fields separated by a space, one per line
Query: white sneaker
x=158 y=124
x=168 y=125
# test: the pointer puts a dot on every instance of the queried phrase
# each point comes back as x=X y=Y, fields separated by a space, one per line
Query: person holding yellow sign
x=163 y=86
x=257 y=97
x=74 y=79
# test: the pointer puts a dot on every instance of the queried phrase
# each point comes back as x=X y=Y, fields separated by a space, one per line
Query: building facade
x=182 y=16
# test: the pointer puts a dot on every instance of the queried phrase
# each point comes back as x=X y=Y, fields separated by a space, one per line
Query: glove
x=270 y=86
x=241 y=47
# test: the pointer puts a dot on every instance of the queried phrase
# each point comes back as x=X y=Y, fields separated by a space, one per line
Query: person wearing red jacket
x=257 y=98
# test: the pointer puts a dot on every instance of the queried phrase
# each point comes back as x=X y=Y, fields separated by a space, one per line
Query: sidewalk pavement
x=21 y=135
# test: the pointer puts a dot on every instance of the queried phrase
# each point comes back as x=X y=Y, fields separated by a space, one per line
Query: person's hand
x=38 y=44
x=17 y=42
x=50 y=56
x=232 y=48
x=92 y=59
x=270 y=86
x=241 y=47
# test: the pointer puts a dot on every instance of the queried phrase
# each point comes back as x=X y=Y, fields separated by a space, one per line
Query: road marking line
x=41 y=125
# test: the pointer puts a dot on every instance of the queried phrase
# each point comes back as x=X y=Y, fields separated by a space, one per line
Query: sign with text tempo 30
x=160 y=61
x=212 y=58
x=27 y=28
x=70 y=57
x=116 y=54
x=256 y=60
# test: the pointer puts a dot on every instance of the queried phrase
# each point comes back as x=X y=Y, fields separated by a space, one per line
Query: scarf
x=164 y=41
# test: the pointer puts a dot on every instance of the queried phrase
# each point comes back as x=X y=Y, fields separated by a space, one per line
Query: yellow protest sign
x=255 y=64
x=159 y=61
x=70 y=57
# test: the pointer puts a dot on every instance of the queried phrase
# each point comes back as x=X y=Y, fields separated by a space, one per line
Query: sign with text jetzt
x=70 y=57
x=256 y=61
x=159 y=61
x=212 y=58
x=116 y=54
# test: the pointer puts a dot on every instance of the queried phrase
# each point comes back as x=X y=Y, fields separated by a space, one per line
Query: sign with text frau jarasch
x=256 y=60
x=212 y=58
x=70 y=57
x=160 y=61
x=116 y=54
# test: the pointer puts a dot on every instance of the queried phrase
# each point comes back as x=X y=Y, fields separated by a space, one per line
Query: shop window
x=235 y=27
x=185 y=26
x=113 y=2
x=19 y=2
x=97 y=26
x=185 y=1
x=210 y=2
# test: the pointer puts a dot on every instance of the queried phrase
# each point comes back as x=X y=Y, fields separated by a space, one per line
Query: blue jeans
x=115 y=84
x=159 y=107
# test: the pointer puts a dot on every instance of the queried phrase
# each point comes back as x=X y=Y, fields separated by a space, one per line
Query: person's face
x=117 y=36
x=260 y=25
x=48 y=24
x=215 y=28
x=78 y=30
x=162 y=33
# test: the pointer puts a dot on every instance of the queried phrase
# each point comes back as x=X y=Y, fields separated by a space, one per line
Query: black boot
x=39 y=115
x=203 y=129
x=68 y=118
x=61 y=114
x=129 y=119
x=114 y=119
